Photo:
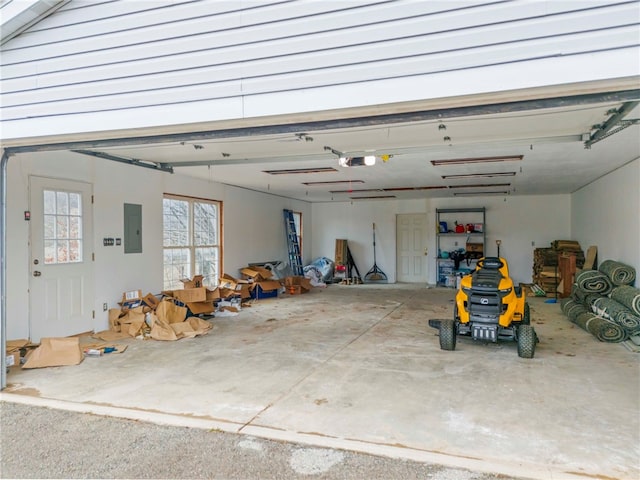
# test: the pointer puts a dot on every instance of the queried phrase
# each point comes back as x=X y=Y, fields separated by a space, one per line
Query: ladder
x=295 y=259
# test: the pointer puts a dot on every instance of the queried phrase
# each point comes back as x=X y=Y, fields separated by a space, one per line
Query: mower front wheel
x=527 y=340
x=448 y=334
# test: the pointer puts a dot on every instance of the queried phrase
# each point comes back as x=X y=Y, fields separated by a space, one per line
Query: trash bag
x=320 y=270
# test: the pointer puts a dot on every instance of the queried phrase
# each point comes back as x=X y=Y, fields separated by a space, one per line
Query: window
x=62 y=227
x=191 y=240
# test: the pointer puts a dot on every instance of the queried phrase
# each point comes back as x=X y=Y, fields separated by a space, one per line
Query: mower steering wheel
x=491 y=263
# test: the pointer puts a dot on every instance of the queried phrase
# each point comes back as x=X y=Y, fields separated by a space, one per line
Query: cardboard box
x=189 y=295
x=227 y=292
x=195 y=282
x=150 y=300
x=13 y=358
x=303 y=282
x=240 y=287
x=475 y=247
x=266 y=289
x=213 y=294
x=256 y=274
x=132 y=296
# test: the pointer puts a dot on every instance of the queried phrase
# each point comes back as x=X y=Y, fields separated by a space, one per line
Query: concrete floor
x=358 y=368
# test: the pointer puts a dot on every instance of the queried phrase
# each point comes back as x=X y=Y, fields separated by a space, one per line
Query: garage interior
x=553 y=154
x=356 y=366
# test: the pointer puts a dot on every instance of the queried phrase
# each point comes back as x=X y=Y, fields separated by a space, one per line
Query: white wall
x=517 y=221
x=253 y=226
x=606 y=213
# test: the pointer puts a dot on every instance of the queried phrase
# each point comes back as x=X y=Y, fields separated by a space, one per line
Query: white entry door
x=61 y=267
x=411 y=241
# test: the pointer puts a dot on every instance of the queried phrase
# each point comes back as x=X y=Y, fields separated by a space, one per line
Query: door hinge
x=93 y=314
x=93 y=257
x=91 y=199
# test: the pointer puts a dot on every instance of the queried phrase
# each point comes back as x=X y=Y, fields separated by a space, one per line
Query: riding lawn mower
x=489 y=307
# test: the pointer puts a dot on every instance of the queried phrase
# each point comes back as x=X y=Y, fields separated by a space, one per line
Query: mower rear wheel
x=526 y=317
x=448 y=334
x=526 y=341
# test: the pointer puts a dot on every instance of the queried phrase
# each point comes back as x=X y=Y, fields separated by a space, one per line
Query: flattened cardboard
x=110 y=335
x=200 y=307
x=169 y=312
x=16 y=344
x=161 y=330
x=184 y=329
x=114 y=319
x=199 y=325
x=55 y=352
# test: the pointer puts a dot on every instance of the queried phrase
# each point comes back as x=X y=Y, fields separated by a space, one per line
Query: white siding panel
x=261 y=58
x=448 y=84
x=288 y=74
x=417 y=39
x=294 y=21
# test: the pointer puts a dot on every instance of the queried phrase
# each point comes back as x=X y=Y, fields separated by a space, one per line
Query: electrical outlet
x=533 y=244
x=105 y=307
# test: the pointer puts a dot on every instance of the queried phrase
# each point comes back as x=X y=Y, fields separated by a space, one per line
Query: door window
x=62 y=227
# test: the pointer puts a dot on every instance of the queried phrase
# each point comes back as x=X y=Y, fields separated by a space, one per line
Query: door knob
x=36 y=273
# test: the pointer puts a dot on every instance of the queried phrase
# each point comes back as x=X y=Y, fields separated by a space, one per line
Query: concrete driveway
x=358 y=368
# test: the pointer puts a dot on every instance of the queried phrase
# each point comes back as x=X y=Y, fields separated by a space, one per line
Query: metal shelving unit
x=450 y=241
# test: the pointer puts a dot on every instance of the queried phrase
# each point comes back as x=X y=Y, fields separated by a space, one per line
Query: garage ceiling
x=531 y=151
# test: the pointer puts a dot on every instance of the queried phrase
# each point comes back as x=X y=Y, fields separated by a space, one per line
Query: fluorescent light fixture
x=373 y=197
x=404 y=189
x=479 y=175
x=481 y=185
x=465 y=161
x=362 y=190
x=336 y=182
x=470 y=194
x=300 y=170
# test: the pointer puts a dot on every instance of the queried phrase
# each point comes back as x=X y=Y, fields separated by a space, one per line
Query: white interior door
x=61 y=266
x=411 y=241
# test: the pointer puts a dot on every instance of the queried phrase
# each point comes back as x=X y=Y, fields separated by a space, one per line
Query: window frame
x=192 y=247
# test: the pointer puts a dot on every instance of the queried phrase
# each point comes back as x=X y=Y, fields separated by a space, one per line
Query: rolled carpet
x=567 y=304
x=627 y=296
x=594 y=281
x=574 y=310
x=578 y=293
x=618 y=273
x=608 y=308
x=604 y=330
x=590 y=299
